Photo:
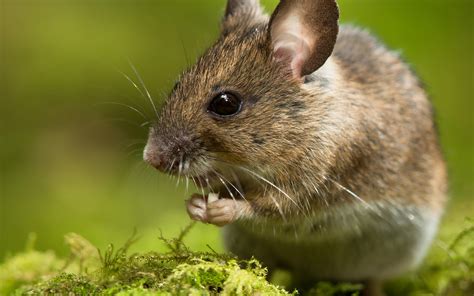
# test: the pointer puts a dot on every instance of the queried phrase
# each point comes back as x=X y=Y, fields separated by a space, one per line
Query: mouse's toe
x=222 y=211
x=196 y=207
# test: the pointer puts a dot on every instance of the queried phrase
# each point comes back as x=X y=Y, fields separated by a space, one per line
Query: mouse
x=314 y=146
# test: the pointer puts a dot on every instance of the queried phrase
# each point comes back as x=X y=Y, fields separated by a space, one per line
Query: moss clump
x=177 y=272
x=61 y=284
x=181 y=271
x=27 y=267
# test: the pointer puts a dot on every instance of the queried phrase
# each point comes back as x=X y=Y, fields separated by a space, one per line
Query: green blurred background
x=71 y=160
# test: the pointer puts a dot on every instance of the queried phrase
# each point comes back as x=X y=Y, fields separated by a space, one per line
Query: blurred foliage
x=70 y=151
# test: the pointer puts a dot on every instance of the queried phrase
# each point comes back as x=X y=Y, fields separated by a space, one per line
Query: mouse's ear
x=303 y=33
x=242 y=15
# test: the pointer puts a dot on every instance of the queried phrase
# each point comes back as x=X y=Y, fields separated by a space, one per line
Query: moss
x=27 y=267
x=62 y=284
x=114 y=271
x=180 y=271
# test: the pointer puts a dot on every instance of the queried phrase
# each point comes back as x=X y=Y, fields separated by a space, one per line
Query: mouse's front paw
x=222 y=211
x=197 y=207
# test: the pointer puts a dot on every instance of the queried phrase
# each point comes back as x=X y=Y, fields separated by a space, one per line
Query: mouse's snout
x=170 y=155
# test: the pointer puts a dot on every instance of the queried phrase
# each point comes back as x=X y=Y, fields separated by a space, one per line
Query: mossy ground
x=180 y=271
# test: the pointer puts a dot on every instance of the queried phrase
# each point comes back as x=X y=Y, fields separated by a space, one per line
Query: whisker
x=185 y=51
x=134 y=152
x=236 y=180
x=168 y=169
x=228 y=190
x=135 y=143
x=202 y=189
x=133 y=83
x=271 y=184
x=180 y=169
x=230 y=183
x=187 y=184
x=123 y=105
x=350 y=192
x=144 y=87
x=198 y=186
x=121 y=120
x=208 y=183
x=320 y=194
x=279 y=208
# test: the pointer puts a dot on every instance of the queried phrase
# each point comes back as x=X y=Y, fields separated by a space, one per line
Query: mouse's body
x=390 y=230
x=324 y=153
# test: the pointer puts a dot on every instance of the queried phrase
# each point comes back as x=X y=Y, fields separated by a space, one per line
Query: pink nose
x=157 y=161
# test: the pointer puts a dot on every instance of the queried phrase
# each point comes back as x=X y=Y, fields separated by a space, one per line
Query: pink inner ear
x=291 y=42
x=292 y=50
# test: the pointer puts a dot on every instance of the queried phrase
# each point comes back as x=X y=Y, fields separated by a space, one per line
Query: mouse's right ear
x=242 y=15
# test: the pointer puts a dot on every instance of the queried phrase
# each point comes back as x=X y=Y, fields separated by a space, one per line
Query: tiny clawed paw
x=222 y=212
x=196 y=207
x=219 y=212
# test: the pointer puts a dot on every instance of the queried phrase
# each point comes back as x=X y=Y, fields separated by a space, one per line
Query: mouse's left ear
x=303 y=33
x=242 y=15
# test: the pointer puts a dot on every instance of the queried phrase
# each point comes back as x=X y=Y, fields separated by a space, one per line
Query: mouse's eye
x=225 y=104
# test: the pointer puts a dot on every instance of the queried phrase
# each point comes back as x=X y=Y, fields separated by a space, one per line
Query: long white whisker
x=133 y=83
x=171 y=165
x=267 y=182
x=228 y=190
x=144 y=87
x=180 y=169
x=208 y=183
x=237 y=181
x=199 y=186
x=278 y=207
x=230 y=183
x=124 y=105
x=271 y=184
x=350 y=192
x=320 y=194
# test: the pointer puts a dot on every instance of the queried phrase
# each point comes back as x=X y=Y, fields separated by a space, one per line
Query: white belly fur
x=374 y=241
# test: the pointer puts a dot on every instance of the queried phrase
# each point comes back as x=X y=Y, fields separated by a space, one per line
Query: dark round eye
x=225 y=104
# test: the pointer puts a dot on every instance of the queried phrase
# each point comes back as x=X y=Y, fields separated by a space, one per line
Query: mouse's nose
x=156 y=160
x=168 y=151
x=159 y=160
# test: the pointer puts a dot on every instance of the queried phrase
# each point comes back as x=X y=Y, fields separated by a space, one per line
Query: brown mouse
x=319 y=140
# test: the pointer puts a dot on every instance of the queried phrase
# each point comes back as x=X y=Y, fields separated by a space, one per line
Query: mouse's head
x=243 y=102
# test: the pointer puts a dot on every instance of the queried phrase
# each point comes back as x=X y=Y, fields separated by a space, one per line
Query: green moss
x=27 y=267
x=180 y=271
x=62 y=284
x=114 y=271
